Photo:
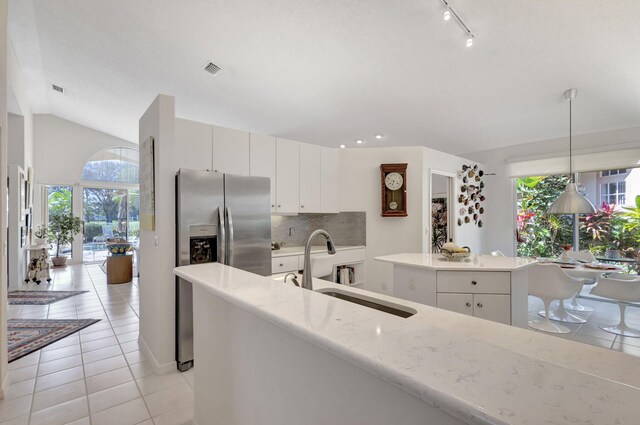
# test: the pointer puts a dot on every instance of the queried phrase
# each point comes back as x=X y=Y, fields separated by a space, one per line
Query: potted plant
x=63 y=227
x=40 y=235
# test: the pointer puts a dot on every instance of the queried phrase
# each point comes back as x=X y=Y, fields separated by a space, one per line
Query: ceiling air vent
x=57 y=88
x=212 y=68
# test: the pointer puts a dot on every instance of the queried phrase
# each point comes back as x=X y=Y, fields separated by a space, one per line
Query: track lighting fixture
x=449 y=13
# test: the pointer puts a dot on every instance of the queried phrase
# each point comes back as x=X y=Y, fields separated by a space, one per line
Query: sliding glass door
x=59 y=201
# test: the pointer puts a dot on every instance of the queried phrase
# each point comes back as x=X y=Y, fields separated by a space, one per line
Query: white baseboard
x=159 y=369
x=4 y=387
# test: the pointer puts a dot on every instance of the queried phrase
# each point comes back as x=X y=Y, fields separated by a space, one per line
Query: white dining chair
x=589 y=278
x=549 y=283
x=498 y=253
x=623 y=289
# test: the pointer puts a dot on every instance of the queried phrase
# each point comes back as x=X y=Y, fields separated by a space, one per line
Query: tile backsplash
x=346 y=228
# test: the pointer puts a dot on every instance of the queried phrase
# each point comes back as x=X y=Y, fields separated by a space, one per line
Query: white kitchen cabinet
x=499 y=296
x=460 y=303
x=193 y=145
x=496 y=308
x=287 y=176
x=230 y=151
x=310 y=178
x=262 y=161
x=492 y=307
x=330 y=180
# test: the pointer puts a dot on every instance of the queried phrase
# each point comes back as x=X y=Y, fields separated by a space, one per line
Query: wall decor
x=471 y=196
x=147 y=185
x=393 y=182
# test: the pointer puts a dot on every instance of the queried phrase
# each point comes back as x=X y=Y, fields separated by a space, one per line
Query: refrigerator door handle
x=229 y=220
x=222 y=242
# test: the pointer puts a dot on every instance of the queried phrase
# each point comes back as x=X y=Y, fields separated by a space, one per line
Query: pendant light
x=571 y=201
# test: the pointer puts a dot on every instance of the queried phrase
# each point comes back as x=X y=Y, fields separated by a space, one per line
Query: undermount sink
x=384 y=306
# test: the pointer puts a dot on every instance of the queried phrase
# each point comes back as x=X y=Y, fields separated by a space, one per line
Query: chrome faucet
x=307 y=278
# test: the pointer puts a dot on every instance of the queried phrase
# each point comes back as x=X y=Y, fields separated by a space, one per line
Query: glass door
x=59 y=202
x=105 y=215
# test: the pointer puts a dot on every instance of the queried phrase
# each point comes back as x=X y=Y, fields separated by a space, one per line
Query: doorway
x=108 y=213
x=441 y=223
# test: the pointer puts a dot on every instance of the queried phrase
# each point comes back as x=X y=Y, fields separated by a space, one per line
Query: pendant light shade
x=571 y=201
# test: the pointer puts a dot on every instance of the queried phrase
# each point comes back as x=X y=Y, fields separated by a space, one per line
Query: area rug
x=40 y=297
x=28 y=335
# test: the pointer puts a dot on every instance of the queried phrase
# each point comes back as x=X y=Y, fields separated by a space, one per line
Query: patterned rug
x=40 y=297
x=28 y=335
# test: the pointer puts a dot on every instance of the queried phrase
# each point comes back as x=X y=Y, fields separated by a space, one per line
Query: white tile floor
x=98 y=375
x=589 y=332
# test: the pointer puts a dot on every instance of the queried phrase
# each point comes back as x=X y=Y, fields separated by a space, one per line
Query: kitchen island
x=484 y=286
x=270 y=353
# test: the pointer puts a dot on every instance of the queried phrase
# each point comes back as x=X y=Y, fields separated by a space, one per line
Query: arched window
x=113 y=165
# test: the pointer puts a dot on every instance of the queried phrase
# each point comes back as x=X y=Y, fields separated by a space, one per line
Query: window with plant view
x=612 y=232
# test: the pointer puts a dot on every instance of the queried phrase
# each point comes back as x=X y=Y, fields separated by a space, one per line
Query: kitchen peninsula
x=484 y=286
x=273 y=353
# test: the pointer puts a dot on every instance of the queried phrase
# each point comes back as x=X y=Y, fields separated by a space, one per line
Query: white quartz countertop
x=299 y=250
x=479 y=371
x=474 y=262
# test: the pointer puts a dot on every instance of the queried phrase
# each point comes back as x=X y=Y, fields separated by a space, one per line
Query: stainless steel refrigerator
x=219 y=218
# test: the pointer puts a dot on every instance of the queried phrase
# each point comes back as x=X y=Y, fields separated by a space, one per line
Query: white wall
x=500 y=220
x=360 y=191
x=61 y=149
x=157 y=248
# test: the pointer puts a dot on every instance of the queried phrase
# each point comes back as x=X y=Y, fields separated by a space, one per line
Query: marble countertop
x=474 y=262
x=479 y=371
x=299 y=250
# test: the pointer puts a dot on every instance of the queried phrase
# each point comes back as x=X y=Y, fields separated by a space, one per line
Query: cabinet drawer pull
x=301 y=206
x=279 y=206
x=281 y=265
x=272 y=205
x=468 y=304
x=473 y=282
x=479 y=305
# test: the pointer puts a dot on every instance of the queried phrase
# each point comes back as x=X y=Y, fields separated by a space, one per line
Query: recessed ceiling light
x=469 y=40
x=343 y=146
x=378 y=136
x=359 y=141
x=211 y=68
x=57 y=88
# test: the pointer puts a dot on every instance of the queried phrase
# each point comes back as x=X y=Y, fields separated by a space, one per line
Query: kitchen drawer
x=284 y=264
x=460 y=303
x=474 y=282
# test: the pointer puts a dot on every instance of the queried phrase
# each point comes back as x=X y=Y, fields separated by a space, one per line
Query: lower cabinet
x=494 y=307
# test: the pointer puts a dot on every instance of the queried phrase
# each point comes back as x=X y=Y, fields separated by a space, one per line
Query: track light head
x=447 y=15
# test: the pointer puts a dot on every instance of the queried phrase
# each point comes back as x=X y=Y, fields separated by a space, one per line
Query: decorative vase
x=39 y=241
x=59 y=261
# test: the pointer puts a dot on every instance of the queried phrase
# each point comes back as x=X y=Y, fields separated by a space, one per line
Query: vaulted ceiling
x=332 y=71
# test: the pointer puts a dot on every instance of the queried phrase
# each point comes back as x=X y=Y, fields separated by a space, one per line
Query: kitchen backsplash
x=346 y=228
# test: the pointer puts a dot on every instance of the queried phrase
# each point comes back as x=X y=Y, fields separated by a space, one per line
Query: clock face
x=393 y=181
x=393 y=205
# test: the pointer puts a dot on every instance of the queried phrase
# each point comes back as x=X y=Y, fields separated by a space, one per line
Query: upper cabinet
x=193 y=145
x=230 y=151
x=304 y=178
x=262 y=161
x=310 y=178
x=287 y=176
x=330 y=180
